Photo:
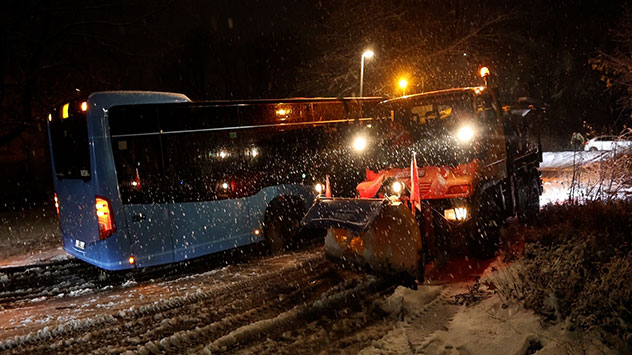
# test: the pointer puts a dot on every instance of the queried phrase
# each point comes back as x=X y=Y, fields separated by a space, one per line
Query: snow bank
x=561 y=160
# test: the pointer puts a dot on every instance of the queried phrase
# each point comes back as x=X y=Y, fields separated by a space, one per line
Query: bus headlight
x=459 y=214
x=465 y=134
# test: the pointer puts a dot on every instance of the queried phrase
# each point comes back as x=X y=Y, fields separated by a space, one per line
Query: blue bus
x=148 y=178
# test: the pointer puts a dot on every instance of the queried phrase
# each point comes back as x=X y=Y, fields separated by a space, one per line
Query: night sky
x=51 y=51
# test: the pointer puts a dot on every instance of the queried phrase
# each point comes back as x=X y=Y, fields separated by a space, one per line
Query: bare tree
x=616 y=67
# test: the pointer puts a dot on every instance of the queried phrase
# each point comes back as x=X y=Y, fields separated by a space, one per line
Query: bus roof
x=291 y=100
x=106 y=99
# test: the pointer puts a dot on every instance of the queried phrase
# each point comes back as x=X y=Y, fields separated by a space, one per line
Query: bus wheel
x=281 y=221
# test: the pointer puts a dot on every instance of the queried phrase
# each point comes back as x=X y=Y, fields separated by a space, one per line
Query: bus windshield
x=69 y=139
x=426 y=126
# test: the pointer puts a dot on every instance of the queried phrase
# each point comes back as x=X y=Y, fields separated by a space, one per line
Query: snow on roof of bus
x=107 y=99
x=452 y=91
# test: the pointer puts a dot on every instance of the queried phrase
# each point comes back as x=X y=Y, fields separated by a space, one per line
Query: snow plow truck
x=444 y=170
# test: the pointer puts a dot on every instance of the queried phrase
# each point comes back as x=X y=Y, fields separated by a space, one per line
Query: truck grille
x=424 y=188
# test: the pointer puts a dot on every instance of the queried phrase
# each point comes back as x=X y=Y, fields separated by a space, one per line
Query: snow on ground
x=492 y=326
x=30 y=237
x=596 y=176
x=562 y=160
x=497 y=327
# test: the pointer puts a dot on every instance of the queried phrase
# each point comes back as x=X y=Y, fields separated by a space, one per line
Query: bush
x=577 y=265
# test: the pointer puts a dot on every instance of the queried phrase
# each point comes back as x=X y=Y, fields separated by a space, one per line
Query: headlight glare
x=465 y=134
x=456 y=214
x=398 y=187
x=359 y=143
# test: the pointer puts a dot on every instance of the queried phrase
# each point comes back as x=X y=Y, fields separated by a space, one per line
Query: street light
x=403 y=83
x=367 y=54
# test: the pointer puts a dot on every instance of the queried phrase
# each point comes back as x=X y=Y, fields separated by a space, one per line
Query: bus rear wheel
x=281 y=222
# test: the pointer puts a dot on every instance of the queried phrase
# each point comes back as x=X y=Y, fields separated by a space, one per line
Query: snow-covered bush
x=577 y=265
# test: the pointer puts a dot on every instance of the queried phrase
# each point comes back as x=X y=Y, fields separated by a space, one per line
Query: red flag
x=327 y=187
x=414 y=184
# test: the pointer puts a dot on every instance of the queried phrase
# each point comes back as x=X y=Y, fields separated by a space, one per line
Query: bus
x=149 y=178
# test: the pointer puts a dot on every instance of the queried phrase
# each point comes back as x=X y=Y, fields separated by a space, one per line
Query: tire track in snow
x=363 y=327
x=342 y=294
x=68 y=332
x=25 y=283
x=432 y=317
x=182 y=340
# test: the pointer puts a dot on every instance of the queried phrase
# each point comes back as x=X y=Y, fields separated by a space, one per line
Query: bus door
x=204 y=155
x=142 y=184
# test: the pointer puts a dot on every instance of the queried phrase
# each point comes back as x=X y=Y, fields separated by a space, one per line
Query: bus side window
x=203 y=153
x=140 y=169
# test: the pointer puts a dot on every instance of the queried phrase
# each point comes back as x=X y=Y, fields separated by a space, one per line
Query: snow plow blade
x=379 y=234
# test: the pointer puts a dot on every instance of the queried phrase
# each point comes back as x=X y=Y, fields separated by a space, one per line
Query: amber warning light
x=64 y=111
x=484 y=72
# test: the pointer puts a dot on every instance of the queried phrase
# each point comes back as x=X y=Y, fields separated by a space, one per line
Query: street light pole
x=367 y=54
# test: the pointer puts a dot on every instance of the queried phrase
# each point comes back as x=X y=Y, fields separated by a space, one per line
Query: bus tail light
x=104 y=217
x=56 y=203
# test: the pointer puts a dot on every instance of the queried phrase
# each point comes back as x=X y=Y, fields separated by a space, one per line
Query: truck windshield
x=429 y=127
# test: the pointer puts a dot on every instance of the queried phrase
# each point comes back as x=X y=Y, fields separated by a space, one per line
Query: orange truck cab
x=449 y=165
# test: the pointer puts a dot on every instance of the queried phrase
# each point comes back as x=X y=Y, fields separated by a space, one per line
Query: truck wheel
x=484 y=235
x=484 y=238
x=420 y=272
x=281 y=221
x=533 y=198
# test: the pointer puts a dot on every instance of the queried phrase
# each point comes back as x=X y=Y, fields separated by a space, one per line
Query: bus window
x=140 y=169
x=137 y=149
x=69 y=138
x=202 y=151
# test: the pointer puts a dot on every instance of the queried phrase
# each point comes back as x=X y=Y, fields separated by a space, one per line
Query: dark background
x=53 y=51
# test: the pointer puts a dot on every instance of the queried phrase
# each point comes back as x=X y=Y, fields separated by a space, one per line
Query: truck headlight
x=359 y=143
x=465 y=134
x=456 y=214
x=397 y=187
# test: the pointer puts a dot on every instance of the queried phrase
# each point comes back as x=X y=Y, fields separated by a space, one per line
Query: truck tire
x=281 y=221
x=484 y=235
x=420 y=273
x=533 y=198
